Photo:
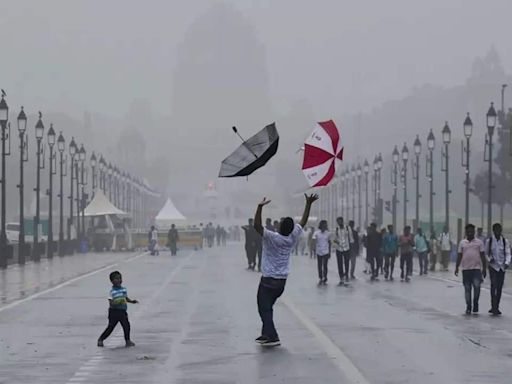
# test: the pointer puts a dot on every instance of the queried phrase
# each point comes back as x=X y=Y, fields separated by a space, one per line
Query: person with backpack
x=390 y=249
x=421 y=246
x=343 y=238
x=499 y=258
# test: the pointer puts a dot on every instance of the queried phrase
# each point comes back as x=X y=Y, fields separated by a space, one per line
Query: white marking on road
x=71 y=281
x=77 y=374
x=76 y=379
x=342 y=362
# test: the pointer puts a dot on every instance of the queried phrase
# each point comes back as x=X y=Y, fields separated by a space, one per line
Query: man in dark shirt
x=251 y=243
x=373 y=245
x=354 y=249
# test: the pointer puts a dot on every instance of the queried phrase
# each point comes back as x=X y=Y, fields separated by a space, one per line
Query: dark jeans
x=251 y=256
x=472 y=278
x=269 y=291
x=497 y=279
x=353 y=259
x=406 y=260
x=322 y=266
x=389 y=264
x=117 y=316
x=445 y=259
x=343 y=259
x=423 y=259
x=433 y=261
x=375 y=260
x=258 y=254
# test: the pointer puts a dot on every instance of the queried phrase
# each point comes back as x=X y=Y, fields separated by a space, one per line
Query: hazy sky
x=341 y=55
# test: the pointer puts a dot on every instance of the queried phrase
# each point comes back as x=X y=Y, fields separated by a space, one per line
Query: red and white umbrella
x=321 y=152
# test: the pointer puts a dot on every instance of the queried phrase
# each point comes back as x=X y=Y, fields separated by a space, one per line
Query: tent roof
x=169 y=212
x=100 y=206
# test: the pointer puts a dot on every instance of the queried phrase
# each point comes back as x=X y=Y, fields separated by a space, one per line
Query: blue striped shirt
x=118 y=297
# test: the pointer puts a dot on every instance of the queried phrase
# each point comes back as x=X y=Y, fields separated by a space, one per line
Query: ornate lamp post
x=4 y=117
x=366 y=168
x=416 y=173
x=109 y=172
x=394 y=182
x=491 y=124
x=405 y=159
x=93 y=169
x=102 y=166
x=353 y=177
x=22 y=128
x=466 y=150
x=359 y=172
x=82 y=156
x=431 y=143
x=51 y=143
x=72 y=153
x=446 y=169
x=61 y=147
x=39 y=136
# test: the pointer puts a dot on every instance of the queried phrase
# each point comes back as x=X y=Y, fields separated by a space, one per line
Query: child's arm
x=128 y=300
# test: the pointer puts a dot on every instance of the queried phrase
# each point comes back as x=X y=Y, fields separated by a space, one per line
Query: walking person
x=373 y=248
x=446 y=248
x=354 y=249
x=172 y=240
x=434 y=250
x=342 y=240
x=153 y=241
x=390 y=249
x=498 y=255
x=311 y=243
x=277 y=249
x=471 y=257
x=406 y=245
x=421 y=247
x=250 y=244
x=322 y=238
x=117 y=310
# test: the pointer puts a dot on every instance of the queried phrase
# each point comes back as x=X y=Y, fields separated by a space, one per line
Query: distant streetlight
x=416 y=173
x=73 y=149
x=22 y=128
x=446 y=133
x=51 y=143
x=359 y=173
x=353 y=177
x=394 y=183
x=82 y=156
x=109 y=172
x=431 y=143
x=39 y=136
x=366 y=169
x=491 y=124
x=405 y=159
x=468 y=131
x=61 y=147
x=93 y=169
x=4 y=118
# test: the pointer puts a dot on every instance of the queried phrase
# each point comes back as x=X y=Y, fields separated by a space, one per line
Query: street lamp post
x=39 y=136
x=431 y=143
x=109 y=171
x=416 y=177
x=466 y=150
x=82 y=156
x=394 y=182
x=359 y=172
x=51 y=143
x=93 y=169
x=77 y=198
x=4 y=117
x=347 y=191
x=405 y=159
x=61 y=146
x=102 y=174
x=72 y=153
x=446 y=169
x=366 y=168
x=379 y=185
x=22 y=128
x=353 y=177
x=491 y=124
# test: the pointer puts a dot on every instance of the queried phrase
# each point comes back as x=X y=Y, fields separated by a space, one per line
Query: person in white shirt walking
x=471 y=258
x=343 y=239
x=322 y=238
x=499 y=258
x=446 y=247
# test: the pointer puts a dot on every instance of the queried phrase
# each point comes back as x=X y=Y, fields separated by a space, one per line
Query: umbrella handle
x=243 y=141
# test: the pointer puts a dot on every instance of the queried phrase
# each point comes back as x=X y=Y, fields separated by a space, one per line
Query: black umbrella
x=252 y=154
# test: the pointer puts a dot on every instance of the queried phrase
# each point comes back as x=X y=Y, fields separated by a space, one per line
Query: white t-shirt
x=446 y=242
x=322 y=242
x=154 y=235
x=275 y=258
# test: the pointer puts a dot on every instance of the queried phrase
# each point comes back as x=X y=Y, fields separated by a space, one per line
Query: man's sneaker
x=407 y=279
x=391 y=278
x=325 y=281
x=271 y=343
x=261 y=339
x=491 y=311
x=341 y=283
x=475 y=308
x=468 y=310
x=497 y=312
x=321 y=282
x=130 y=343
x=100 y=343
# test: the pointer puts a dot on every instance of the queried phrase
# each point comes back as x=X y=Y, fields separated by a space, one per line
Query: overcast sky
x=341 y=55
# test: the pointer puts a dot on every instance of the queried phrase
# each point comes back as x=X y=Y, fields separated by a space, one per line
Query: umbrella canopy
x=252 y=154
x=100 y=206
x=321 y=150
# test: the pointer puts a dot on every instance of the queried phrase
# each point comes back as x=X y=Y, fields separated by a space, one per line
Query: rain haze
x=150 y=91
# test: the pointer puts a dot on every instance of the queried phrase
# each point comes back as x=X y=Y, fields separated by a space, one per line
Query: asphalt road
x=197 y=320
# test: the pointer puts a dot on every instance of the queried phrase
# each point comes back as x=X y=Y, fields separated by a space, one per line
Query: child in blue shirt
x=117 y=309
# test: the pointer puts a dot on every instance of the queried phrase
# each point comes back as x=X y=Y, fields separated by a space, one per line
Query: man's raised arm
x=258 y=224
x=307 y=208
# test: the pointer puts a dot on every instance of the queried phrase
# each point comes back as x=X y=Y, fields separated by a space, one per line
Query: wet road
x=197 y=321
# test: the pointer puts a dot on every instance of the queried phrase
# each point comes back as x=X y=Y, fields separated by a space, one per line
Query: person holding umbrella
x=275 y=267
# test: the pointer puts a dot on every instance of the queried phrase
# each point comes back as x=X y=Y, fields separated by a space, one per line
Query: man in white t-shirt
x=275 y=266
x=446 y=247
x=322 y=238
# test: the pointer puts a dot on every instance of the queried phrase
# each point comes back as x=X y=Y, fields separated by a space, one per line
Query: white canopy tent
x=100 y=206
x=168 y=215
